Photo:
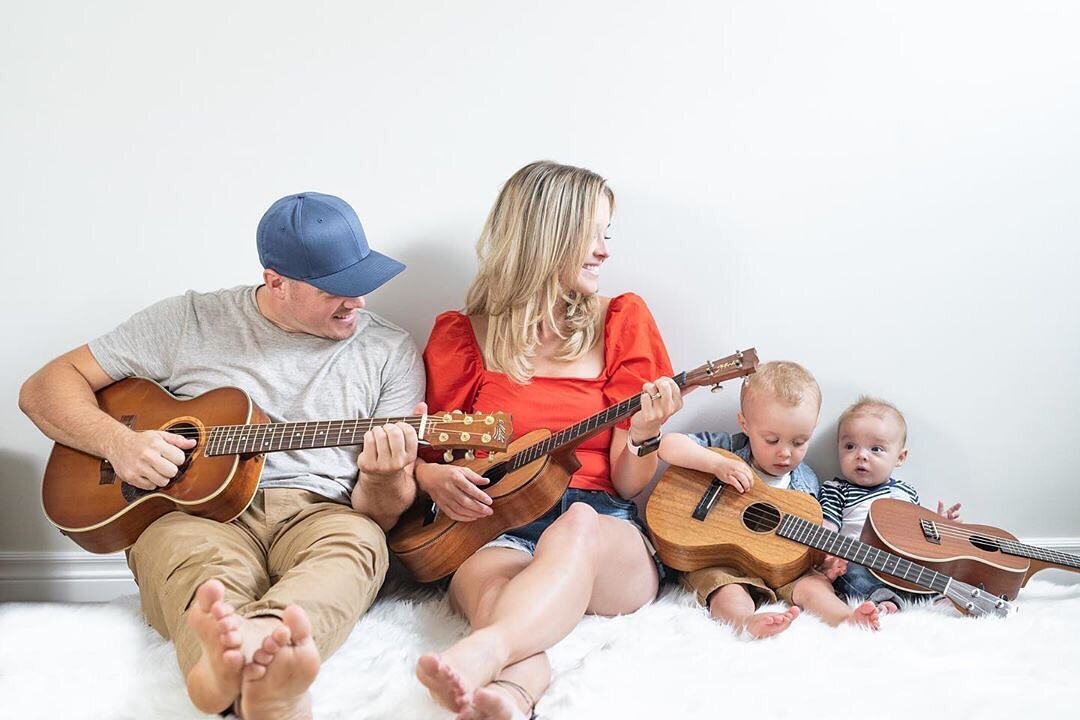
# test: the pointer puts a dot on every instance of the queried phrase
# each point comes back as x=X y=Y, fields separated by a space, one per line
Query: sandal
x=524 y=694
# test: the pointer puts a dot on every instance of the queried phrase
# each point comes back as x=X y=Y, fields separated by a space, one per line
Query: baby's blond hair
x=783 y=380
x=867 y=405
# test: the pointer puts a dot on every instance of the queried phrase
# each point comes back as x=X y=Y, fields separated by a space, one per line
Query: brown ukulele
x=83 y=497
x=525 y=482
x=696 y=521
x=980 y=554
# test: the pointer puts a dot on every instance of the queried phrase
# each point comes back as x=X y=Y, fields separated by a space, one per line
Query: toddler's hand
x=833 y=567
x=735 y=473
x=951 y=513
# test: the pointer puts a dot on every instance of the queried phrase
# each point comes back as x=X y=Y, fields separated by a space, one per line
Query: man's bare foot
x=276 y=681
x=494 y=702
x=469 y=664
x=763 y=625
x=214 y=681
x=866 y=615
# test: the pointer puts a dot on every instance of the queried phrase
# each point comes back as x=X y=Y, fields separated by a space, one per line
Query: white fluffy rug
x=666 y=661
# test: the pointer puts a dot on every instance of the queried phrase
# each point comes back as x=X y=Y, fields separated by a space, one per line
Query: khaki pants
x=290 y=547
x=708 y=580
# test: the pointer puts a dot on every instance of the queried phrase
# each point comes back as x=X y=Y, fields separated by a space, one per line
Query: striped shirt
x=846 y=505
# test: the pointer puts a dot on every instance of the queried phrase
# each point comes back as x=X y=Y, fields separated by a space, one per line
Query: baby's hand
x=735 y=473
x=952 y=513
x=833 y=567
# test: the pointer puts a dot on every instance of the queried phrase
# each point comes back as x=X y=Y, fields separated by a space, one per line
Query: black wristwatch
x=646 y=446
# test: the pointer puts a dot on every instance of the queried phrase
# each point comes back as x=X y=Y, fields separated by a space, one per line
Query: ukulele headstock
x=457 y=430
x=977 y=602
x=714 y=372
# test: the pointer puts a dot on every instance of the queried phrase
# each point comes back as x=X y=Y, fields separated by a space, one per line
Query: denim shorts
x=858 y=583
x=525 y=538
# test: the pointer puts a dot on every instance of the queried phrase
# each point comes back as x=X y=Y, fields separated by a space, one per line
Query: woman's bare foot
x=214 y=681
x=276 y=681
x=469 y=664
x=494 y=702
x=763 y=625
x=866 y=615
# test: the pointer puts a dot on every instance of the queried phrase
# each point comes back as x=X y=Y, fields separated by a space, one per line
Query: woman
x=537 y=341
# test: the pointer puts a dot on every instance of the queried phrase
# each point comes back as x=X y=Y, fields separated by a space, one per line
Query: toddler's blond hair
x=783 y=380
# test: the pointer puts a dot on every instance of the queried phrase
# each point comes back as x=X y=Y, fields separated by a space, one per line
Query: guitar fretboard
x=273 y=437
x=805 y=532
x=1055 y=557
x=582 y=430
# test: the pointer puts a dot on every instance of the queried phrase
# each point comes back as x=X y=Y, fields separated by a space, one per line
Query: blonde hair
x=782 y=380
x=867 y=405
x=531 y=248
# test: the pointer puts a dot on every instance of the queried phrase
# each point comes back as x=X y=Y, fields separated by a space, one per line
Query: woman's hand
x=454 y=489
x=732 y=472
x=659 y=401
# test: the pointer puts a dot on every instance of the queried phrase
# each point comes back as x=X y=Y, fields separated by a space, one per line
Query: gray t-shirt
x=196 y=342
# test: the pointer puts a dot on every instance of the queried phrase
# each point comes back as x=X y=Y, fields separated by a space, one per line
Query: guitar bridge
x=708 y=500
x=930 y=531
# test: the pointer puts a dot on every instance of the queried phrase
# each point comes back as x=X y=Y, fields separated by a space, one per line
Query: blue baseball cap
x=318 y=239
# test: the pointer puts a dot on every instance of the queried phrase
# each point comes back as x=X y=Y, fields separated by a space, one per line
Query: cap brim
x=359 y=278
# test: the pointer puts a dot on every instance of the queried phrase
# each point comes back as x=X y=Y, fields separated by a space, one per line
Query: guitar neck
x=577 y=433
x=1031 y=552
x=807 y=533
x=275 y=437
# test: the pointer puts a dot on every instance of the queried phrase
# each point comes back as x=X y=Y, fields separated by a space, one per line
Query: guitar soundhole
x=132 y=493
x=985 y=543
x=494 y=474
x=761 y=518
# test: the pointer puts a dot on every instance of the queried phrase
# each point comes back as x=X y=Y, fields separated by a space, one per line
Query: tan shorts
x=289 y=547
x=706 y=581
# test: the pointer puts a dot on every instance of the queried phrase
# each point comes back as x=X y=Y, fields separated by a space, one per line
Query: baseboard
x=81 y=577
x=75 y=576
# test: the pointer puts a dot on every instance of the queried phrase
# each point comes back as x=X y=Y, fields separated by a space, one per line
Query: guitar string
x=955 y=532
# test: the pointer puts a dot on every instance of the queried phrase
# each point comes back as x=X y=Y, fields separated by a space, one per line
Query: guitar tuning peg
x=470 y=455
x=448 y=456
x=716 y=388
x=456 y=412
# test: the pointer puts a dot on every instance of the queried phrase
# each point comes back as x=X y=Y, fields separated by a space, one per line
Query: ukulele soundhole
x=494 y=474
x=985 y=543
x=761 y=518
x=132 y=493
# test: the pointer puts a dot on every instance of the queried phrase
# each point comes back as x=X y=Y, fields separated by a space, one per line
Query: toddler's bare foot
x=276 y=681
x=469 y=664
x=866 y=615
x=763 y=625
x=214 y=682
x=887 y=607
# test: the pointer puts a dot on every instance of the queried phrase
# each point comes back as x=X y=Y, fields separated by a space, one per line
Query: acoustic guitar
x=982 y=555
x=525 y=482
x=84 y=499
x=696 y=521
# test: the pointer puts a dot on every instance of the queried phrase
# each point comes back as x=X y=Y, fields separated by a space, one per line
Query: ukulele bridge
x=708 y=500
x=930 y=531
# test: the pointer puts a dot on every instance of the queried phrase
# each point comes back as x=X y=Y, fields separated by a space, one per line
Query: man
x=254 y=605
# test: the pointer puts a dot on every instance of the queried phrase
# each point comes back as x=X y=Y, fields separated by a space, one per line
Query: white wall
x=886 y=192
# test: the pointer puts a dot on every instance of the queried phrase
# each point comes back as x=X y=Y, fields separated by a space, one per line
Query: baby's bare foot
x=865 y=615
x=763 y=625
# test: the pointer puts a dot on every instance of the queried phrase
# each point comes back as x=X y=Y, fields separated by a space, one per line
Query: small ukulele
x=85 y=500
x=982 y=555
x=696 y=522
x=525 y=482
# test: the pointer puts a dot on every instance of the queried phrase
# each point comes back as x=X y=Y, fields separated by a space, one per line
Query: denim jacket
x=802 y=477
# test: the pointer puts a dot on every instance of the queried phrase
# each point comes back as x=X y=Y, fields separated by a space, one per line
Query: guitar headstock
x=468 y=431
x=976 y=602
x=714 y=372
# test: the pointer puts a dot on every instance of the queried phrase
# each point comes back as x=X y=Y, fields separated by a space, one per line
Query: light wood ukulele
x=525 y=482
x=84 y=499
x=696 y=522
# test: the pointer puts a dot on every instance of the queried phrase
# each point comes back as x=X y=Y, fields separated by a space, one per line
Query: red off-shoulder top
x=634 y=353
